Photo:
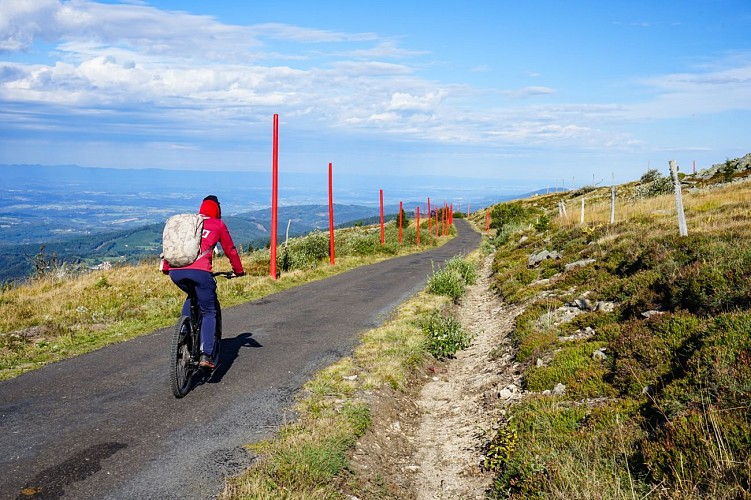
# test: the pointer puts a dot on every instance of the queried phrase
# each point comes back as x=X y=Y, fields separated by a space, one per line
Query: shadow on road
x=229 y=353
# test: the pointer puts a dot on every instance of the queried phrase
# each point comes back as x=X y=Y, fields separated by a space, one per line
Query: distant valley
x=91 y=215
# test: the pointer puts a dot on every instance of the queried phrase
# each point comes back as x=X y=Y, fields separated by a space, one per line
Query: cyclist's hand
x=237 y=275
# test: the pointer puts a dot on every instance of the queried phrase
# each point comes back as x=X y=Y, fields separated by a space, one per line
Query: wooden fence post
x=581 y=219
x=682 y=228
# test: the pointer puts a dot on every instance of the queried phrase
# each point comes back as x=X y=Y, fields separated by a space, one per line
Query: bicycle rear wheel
x=182 y=366
x=216 y=353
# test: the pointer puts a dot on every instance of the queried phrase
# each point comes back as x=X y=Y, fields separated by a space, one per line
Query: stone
x=649 y=314
x=584 y=304
x=538 y=257
x=579 y=263
x=603 y=306
x=505 y=393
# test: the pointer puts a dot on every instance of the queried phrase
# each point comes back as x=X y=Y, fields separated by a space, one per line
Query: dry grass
x=53 y=318
x=686 y=436
x=306 y=458
x=719 y=209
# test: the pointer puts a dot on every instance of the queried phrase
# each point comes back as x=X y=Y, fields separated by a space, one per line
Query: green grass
x=445 y=335
x=453 y=279
x=59 y=315
x=309 y=458
x=667 y=413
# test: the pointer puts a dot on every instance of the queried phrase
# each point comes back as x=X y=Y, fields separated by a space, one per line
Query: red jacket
x=214 y=231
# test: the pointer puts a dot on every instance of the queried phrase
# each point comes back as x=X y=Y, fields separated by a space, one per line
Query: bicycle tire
x=216 y=353
x=181 y=365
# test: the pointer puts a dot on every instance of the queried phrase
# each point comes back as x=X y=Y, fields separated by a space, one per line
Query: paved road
x=105 y=425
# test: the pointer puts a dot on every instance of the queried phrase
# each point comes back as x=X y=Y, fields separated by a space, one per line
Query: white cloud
x=22 y=21
x=307 y=35
x=180 y=77
x=407 y=102
x=707 y=91
x=532 y=91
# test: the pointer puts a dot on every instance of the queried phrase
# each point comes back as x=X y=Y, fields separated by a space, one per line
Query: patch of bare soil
x=427 y=442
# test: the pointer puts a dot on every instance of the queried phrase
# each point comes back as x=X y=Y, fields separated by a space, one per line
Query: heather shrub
x=445 y=335
x=447 y=282
x=466 y=269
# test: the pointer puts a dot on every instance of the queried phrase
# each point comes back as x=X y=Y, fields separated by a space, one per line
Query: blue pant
x=206 y=293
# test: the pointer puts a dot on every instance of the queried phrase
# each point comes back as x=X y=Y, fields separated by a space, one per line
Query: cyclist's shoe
x=206 y=362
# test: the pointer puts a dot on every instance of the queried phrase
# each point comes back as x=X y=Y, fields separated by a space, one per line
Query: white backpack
x=181 y=239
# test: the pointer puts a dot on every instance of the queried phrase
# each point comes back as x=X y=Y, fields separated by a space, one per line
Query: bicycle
x=185 y=350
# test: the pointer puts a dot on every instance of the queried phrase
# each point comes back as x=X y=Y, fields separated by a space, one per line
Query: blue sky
x=533 y=92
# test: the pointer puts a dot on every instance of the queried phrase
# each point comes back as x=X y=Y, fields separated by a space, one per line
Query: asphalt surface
x=105 y=425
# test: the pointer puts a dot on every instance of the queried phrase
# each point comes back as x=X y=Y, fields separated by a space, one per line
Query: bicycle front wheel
x=182 y=366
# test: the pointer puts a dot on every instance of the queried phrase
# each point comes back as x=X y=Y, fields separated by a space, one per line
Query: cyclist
x=199 y=272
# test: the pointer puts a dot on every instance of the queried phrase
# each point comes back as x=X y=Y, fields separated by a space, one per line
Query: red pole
x=417 y=219
x=274 y=195
x=451 y=215
x=331 y=214
x=444 y=219
x=430 y=218
x=487 y=220
x=383 y=234
x=400 y=222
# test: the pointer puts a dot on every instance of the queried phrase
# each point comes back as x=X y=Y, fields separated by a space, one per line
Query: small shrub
x=542 y=223
x=102 y=283
x=728 y=170
x=445 y=335
x=447 y=282
x=654 y=184
x=466 y=269
x=304 y=253
x=650 y=176
x=358 y=416
x=507 y=214
x=499 y=450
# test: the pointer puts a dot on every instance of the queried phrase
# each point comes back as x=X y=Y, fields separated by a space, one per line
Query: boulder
x=535 y=259
x=579 y=263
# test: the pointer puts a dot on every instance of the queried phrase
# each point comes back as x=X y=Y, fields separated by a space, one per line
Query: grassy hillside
x=634 y=343
x=633 y=348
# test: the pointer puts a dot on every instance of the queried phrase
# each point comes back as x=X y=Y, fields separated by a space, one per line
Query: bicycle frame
x=186 y=343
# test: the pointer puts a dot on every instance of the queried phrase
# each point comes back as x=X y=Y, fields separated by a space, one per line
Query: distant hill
x=89 y=215
x=249 y=230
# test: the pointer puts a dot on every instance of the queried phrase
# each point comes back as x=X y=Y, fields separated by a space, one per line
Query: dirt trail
x=427 y=443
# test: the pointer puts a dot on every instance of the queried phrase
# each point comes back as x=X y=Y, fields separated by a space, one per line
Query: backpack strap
x=208 y=250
